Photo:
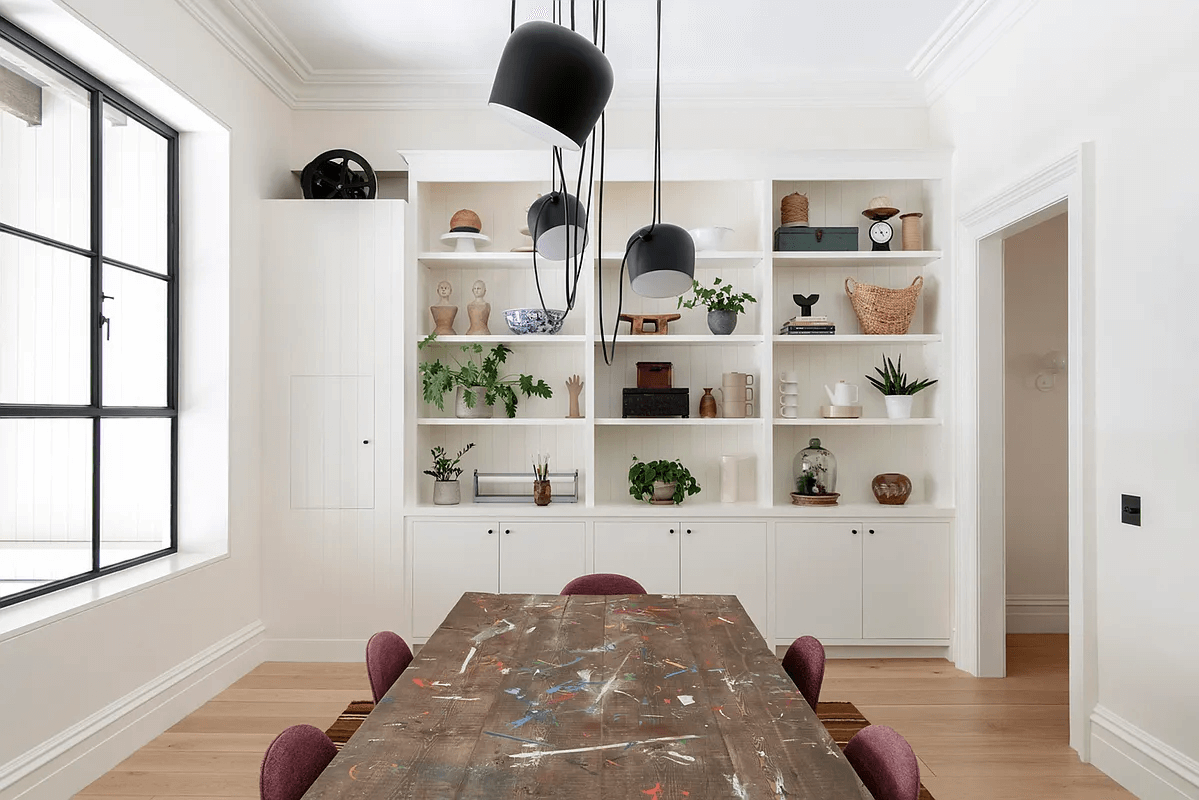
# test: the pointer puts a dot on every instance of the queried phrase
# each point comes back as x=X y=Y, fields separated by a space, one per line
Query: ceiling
x=393 y=53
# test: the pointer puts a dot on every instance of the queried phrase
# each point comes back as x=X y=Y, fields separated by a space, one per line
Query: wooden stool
x=661 y=323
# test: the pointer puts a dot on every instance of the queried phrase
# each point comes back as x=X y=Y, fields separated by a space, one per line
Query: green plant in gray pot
x=478 y=381
x=660 y=482
x=446 y=489
x=722 y=302
x=896 y=387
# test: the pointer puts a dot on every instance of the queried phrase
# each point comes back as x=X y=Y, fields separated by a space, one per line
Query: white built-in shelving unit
x=601 y=445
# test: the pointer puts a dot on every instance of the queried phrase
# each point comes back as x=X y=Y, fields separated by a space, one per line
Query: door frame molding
x=980 y=594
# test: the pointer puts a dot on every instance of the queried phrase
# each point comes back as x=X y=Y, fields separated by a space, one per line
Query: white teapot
x=843 y=394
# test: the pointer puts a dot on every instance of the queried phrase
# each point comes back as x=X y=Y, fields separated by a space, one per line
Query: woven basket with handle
x=883 y=311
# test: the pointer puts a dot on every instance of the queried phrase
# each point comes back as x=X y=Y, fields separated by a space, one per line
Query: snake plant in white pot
x=896 y=388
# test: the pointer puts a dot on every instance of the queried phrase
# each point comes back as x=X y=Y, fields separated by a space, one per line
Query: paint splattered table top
x=585 y=697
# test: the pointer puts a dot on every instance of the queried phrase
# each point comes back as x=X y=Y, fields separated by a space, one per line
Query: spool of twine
x=795 y=209
x=913 y=231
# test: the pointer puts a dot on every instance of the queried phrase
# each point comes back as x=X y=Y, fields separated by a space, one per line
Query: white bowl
x=710 y=238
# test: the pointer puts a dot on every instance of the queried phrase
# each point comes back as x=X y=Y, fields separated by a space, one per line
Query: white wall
x=1035 y=434
x=58 y=674
x=1119 y=75
x=380 y=135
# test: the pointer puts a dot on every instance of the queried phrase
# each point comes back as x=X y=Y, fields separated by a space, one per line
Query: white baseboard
x=1141 y=763
x=1038 y=613
x=66 y=763
x=322 y=650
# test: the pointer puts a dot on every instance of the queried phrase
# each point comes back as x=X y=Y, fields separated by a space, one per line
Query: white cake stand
x=465 y=242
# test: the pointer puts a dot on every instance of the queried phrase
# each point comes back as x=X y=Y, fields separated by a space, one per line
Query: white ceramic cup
x=789 y=412
x=788 y=388
x=735 y=392
x=738 y=409
x=790 y=376
x=737 y=379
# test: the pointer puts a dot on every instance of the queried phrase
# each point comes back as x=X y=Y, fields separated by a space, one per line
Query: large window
x=89 y=304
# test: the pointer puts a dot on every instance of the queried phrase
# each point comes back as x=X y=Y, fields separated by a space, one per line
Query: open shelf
x=856 y=258
x=870 y=421
x=501 y=420
x=648 y=340
x=484 y=260
x=858 y=338
x=708 y=259
x=510 y=338
x=675 y=421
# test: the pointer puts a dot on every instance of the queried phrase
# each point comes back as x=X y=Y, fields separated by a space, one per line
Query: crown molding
x=965 y=37
x=247 y=32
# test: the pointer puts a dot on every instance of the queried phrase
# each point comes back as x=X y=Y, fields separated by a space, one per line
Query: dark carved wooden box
x=656 y=403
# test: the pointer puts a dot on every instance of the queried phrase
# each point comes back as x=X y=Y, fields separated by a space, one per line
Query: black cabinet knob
x=672 y=531
x=506 y=532
x=872 y=531
x=688 y=531
x=490 y=531
x=855 y=531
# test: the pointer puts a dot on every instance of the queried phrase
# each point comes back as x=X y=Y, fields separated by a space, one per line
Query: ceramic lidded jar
x=815 y=470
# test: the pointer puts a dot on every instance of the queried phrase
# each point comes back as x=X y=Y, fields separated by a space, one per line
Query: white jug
x=843 y=394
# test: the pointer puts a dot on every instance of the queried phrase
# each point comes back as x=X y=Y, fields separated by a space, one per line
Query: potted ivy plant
x=662 y=483
x=722 y=302
x=446 y=489
x=478 y=380
x=895 y=386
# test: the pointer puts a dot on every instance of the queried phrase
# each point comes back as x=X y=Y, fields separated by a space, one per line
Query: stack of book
x=808 y=326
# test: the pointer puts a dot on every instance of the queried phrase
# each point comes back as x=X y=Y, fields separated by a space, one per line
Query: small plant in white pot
x=446 y=489
x=661 y=483
x=722 y=302
x=894 y=385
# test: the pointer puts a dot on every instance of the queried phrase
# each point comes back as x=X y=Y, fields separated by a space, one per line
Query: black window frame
x=100 y=94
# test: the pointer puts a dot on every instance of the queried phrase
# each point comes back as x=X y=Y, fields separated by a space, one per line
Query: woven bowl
x=534 y=320
x=466 y=221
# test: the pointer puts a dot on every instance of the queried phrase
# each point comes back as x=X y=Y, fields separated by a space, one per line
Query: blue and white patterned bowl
x=534 y=320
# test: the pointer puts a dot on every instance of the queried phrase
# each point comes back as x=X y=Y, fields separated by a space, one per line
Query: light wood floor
x=987 y=739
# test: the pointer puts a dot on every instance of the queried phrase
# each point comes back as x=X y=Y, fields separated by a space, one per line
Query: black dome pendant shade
x=661 y=260
x=557 y=221
x=552 y=83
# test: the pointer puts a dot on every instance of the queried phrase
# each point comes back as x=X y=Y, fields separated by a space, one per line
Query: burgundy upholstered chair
x=387 y=656
x=293 y=762
x=603 y=583
x=885 y=762
x=804 y=662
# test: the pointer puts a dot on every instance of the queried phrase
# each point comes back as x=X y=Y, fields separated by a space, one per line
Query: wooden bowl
x=814 y=499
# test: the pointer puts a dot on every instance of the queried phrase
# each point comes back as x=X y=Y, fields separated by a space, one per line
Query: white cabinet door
x=905 y=574
x=726 y=558
x=818 y=579
x=647 y=552
x=449 y=558
x=332 y=441
x=541 y=557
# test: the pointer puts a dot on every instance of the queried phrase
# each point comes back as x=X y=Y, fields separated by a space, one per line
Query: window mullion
x=97 y=305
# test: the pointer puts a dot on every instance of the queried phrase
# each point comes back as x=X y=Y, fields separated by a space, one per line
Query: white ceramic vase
x=480 y=410
x=899 y=406
x=447 y=493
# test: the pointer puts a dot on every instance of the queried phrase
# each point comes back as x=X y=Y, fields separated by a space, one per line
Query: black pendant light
x=552 y=83
x=558 y=224
x=661 y=257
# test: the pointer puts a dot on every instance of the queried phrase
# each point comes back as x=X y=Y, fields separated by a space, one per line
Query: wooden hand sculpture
x=574 y=385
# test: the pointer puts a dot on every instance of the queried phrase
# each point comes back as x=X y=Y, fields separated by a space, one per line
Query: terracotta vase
x=891 y=488
x=541 y=493
x=707 y=405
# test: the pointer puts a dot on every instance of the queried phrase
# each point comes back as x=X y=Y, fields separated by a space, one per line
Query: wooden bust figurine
x=479 y=311
x=444 y=313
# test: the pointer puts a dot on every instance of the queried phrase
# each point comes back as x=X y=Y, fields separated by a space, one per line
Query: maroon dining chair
x=293 y=762
x=603 y=583
x=885 y=762
x=804 y=662
x=387 y=656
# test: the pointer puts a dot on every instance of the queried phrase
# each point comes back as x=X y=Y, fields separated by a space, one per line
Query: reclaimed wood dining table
x=589 y=697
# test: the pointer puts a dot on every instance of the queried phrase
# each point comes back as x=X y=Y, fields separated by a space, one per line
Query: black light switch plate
x=1130 y=509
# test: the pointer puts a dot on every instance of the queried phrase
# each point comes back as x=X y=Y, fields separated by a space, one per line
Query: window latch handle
x=106 y=324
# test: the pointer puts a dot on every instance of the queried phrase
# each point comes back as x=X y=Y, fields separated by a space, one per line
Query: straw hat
x=880 y=208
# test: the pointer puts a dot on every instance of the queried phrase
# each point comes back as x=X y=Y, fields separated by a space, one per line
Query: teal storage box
x=800 y=238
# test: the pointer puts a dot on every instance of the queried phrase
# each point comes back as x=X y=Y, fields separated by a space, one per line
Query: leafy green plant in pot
x=662 y=483
x=722 y=302
x=446 y=489
x=478 y=381
x=895 y=386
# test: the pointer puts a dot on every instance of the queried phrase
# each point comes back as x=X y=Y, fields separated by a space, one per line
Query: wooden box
x=656 y=403
x=655 y=375
x=800 y=238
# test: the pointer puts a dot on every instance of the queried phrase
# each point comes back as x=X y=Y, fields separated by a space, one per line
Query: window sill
x=32 y=614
